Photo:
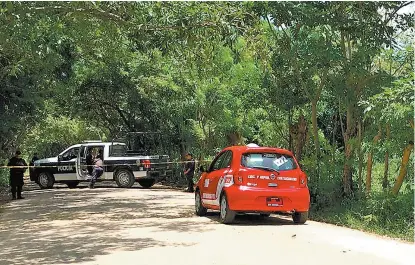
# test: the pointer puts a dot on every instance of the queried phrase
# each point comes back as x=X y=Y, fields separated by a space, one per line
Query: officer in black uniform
x=19 y=166
x=189 y=171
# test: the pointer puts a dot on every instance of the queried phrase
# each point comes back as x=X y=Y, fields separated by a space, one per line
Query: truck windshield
x=273 y=161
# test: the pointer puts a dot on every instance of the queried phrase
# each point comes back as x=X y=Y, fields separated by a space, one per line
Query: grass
x=382 y=214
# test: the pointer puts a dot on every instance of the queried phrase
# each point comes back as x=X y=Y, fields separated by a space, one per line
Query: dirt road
x=136 y=226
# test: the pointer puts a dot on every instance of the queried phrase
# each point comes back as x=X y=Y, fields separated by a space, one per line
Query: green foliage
x=54 y=134
x=208 y=75
x=381 y=213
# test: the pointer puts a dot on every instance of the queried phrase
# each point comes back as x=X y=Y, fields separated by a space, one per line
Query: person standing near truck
x=18 y=167
x=98 y=171
x=189 y=171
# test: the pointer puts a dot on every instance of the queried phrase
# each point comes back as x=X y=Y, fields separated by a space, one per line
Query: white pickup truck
x=125 y=169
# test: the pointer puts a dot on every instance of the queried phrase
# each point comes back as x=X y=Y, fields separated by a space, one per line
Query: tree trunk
x=183 y=150
x=370 y=162
x=301 y=137
x=360 y=135
x=290 y=138
x=315 y=128
x=404 y=168
x=234 y=138
x=385 y=183
x=347 y=168
x=315 y=134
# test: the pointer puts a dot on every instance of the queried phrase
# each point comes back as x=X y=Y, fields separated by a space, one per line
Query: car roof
x=245 y=149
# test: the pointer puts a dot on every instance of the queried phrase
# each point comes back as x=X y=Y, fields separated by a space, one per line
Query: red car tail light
x=303 y=179
x=239 y=180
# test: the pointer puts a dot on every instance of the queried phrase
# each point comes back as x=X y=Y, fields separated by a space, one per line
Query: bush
x=380 y=213
x=4 y=177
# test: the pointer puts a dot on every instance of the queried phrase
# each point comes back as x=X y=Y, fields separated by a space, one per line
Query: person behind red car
x=189 y=171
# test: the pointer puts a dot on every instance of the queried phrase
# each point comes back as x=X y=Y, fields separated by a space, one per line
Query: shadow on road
x=254 y=219
x=67 y=226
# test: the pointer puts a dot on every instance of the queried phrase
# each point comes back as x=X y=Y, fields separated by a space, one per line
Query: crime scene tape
x=106 y=165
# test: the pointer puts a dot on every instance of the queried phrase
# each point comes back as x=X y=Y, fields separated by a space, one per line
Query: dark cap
x=189 y=154
x=18 y=152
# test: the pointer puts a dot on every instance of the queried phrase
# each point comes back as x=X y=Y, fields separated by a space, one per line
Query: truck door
x=81 y=163
x=80 y=160
x=66 y=165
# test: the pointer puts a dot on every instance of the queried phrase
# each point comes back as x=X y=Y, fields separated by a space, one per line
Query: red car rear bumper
x=249 y=199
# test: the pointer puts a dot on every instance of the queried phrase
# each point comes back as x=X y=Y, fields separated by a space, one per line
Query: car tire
x=124 y=178
x=199 y=208
x=46 y=180
x=146 y=183
x=300 y=217
x=72 y=184
x=226 y=215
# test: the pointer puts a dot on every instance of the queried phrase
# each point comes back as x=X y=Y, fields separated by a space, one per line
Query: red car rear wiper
x=266 y=168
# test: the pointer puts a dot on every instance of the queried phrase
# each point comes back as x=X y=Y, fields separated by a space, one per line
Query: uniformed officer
x=19 y=166
x=189 y=171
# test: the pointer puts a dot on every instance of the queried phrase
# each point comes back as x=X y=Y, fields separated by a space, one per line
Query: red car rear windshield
x=273 y=161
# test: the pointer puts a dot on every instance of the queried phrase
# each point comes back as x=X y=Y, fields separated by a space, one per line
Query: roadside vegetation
x=332 y=81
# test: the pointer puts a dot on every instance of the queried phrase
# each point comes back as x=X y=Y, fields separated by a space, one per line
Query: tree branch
x=396 y=11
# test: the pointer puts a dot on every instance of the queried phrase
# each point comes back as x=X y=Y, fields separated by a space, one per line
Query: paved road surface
x=136 y=226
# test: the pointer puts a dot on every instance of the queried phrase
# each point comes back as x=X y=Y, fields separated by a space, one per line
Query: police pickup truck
x=125 y=168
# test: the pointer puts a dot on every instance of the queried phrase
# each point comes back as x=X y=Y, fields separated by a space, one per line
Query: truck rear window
x=268 y=160
x=118 y=150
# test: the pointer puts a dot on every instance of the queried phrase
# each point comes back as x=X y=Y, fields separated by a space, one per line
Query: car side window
x=227 y=160
x=218 y=162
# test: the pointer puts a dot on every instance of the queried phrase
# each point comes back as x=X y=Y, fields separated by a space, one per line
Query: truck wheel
x=226 y=215
x=46 y=180
x=146 y=183
x=300 y=217
x=72 y=184
x=199 y=208
x=124 y=178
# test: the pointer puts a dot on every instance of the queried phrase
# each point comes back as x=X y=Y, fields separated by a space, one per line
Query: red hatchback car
x=245 y=179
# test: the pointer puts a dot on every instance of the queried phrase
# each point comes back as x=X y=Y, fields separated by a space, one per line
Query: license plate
x=274 y=202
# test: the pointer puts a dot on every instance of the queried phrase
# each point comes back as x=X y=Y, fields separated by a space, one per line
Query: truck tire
x=146 y=183
x=300 y=217
x=46 y=180
x=72 y=184
x=124 y=178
